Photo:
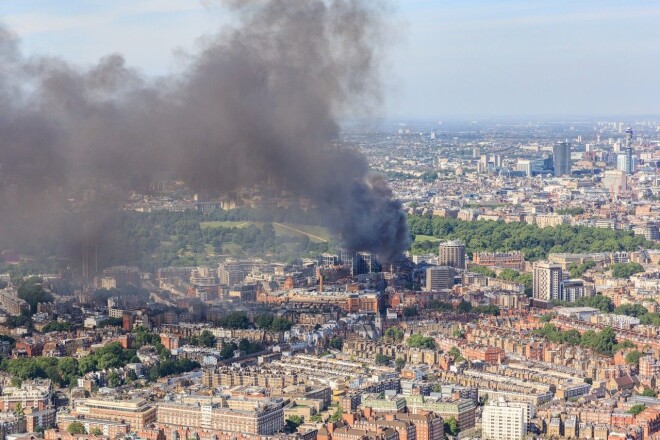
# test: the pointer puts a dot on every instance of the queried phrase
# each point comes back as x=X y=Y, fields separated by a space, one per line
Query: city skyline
x=445 y=60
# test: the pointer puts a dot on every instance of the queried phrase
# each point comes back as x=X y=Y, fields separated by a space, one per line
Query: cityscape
x=235 y=252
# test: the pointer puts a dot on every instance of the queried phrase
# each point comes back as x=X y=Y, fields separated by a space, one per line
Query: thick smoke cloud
x=261 y=100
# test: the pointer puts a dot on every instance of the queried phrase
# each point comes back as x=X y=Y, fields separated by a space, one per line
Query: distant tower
x=452 y=254
x=561 y=158
x=630 y=168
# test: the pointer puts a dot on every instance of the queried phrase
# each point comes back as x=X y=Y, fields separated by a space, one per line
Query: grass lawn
x=317 y=234
x=423 y=238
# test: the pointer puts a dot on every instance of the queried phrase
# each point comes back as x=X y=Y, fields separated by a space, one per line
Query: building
x=247 y=416
x=428 y=426
x=615 y=181
x=138 y=413
x=525 y=166
x=573 y=290
x=120 y=277
x=30 y=394
x=561 y=158
x=10 y=301
x=649 y=366
x=504 y=421
x=452 y=253
x=547 y=278
x=511 y=260
x=627 y=163
x=359 y=263
x=439 y=277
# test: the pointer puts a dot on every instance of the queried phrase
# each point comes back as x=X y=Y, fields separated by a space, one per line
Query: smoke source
x=260 y=99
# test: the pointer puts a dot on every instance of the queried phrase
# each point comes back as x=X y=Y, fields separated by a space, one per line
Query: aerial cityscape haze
x=329 y=220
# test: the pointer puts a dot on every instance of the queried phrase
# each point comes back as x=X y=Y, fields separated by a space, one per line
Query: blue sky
x=450 y=58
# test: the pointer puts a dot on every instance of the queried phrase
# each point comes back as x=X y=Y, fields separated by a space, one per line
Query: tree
x=339 y=412
x=280 y=324
x=293 y=422
x=206 y=339
x=636 y=409
x=648 y=392
x=419 y=341
x=75 y=428
x=451 y=426
x=33 y=293
x=454 y=352
x=113 y=380
x=410 y=311
x=632 y=357
x=336 y=343
x=394 y=334
x=635 y=310
x=546 y=317
x=19 y=409
x=464 y=307
x=264 y=321
x=95 y=431
x=235 y=320
x=488 y=309
x=399 y=363
x=441 y=306
x=626 y=270
x=382 y=359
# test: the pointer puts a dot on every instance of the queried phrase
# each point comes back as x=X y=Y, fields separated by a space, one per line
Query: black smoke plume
x=259 y=100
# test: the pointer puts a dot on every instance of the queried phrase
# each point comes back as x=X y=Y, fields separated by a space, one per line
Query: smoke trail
x=261 y=99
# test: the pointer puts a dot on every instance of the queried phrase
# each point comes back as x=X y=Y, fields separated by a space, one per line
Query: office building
x=359 y=263
x=561 y=158
x=525 y=166
x=547 y=278
x=439 y=277
x=452 y=253
x=504 y=421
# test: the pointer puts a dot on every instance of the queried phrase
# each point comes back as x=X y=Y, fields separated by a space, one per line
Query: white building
x=505 y=420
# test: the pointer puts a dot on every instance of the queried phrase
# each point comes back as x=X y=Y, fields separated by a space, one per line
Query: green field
x=422 y=238
x=317 y=234
x=238 y=224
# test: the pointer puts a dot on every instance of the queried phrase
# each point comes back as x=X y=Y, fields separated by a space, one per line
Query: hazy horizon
x=448 y=60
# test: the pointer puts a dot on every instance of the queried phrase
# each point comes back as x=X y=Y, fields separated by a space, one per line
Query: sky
x=447 y=58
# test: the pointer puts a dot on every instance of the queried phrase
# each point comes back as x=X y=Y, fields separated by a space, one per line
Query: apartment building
x=138 y=413
x=247 y=416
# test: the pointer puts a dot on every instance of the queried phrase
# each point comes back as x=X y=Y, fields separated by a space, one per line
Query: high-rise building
x=625 y=162
x=573 y=290
x=561 y=158
x=439 y=277
x=452 y=253
x=524 y=165
x=547 y=278
x=359 y=262
x=504 y=421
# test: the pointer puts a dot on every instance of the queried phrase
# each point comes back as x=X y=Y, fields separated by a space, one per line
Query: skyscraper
x=452 y=253
x=561 y=158
x=629 y=166
x=547 y=280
